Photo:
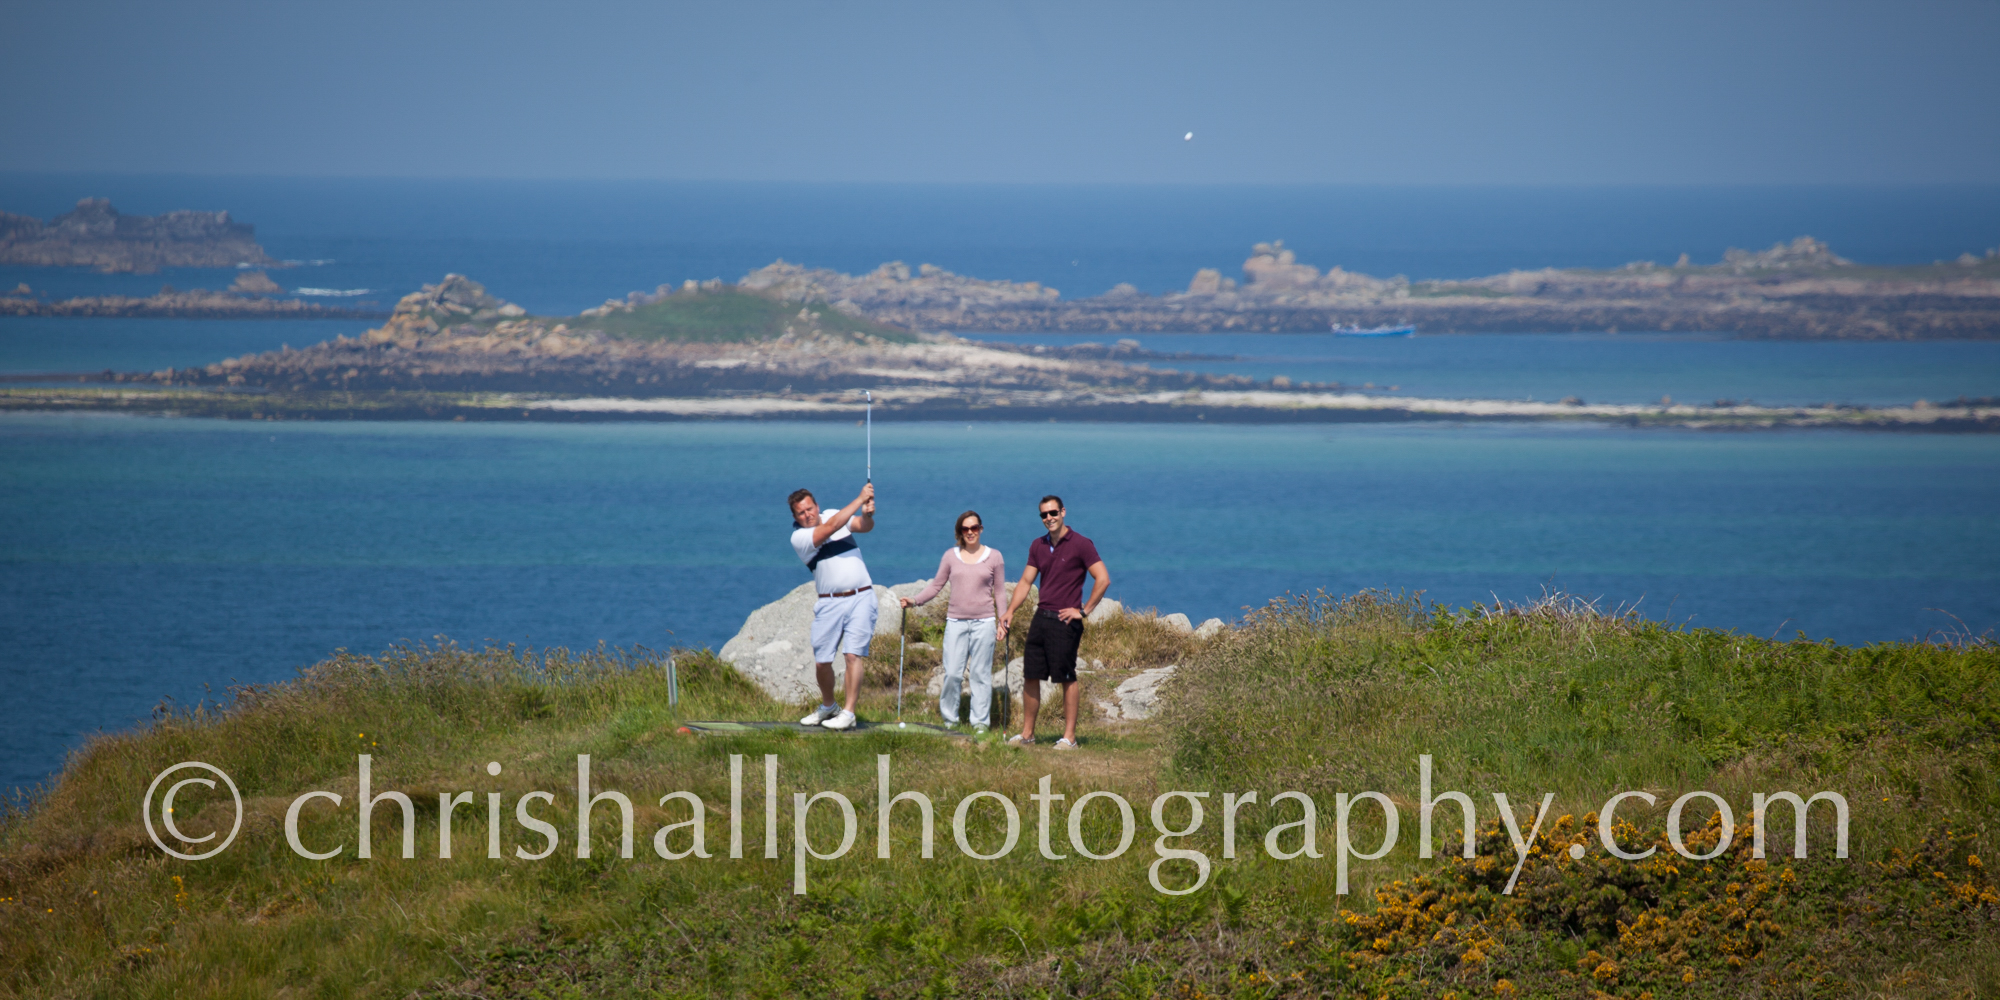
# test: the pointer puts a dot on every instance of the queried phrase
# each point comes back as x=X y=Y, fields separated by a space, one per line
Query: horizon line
x=1158 y=184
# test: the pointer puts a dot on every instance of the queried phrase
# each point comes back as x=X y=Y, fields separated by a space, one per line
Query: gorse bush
x=1667 y=925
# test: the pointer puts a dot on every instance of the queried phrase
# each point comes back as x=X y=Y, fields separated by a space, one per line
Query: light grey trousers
x=968 y=647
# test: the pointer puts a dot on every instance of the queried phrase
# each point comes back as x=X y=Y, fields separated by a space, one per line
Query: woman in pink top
x=977 y=575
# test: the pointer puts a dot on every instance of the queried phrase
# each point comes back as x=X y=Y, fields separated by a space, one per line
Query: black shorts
x=1050 y=654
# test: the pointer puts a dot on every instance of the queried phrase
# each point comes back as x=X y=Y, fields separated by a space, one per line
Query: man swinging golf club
x=844 y=615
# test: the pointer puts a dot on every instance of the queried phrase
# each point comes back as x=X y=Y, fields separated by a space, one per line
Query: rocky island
x=1800 y=290
x=705 y=347
x=253 y=295
x=95 y=235
x=791 y=343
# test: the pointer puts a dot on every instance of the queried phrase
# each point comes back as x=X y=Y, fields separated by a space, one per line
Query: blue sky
x=1025 y=91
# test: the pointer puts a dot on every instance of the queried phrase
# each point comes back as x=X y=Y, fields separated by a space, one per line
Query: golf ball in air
x=1188 y=137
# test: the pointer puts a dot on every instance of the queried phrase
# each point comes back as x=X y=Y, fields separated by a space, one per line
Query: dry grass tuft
x=1138 y=640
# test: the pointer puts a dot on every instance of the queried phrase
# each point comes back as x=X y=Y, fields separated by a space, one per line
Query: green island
x=726 y=315
x=1320 y=695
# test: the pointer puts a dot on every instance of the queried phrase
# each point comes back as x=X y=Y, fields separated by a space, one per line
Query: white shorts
x=843 y=625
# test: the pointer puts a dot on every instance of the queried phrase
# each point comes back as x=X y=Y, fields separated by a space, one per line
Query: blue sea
x=143 y=559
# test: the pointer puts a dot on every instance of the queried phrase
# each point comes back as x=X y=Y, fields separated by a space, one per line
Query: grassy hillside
x=729 y=315
x=1319 y=696
x=1559 y=699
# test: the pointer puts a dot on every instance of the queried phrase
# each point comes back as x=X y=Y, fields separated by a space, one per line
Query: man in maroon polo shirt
x=1061 y=559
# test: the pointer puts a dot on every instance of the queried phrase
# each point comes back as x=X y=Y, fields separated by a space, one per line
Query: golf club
x=870 y=421
x=1007 y=686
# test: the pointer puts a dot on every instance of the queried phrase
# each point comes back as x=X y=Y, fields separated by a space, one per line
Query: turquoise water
x=65 y=344
x=1595 y=367
x=148 y=558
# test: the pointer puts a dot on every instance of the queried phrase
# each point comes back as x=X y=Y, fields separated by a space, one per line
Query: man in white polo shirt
x=844 y=615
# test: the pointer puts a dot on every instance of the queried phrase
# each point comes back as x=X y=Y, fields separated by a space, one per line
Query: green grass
x=1318 y=695
x=728 y=315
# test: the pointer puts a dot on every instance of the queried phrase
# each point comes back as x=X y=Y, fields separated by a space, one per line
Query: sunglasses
x=967 y=529
x=1048 y=514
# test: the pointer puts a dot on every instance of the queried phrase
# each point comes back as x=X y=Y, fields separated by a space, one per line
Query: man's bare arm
x=1102 y=577
x=1021 y=591
x=829 y=525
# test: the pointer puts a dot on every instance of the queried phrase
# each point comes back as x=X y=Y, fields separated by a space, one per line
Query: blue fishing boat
x=1380 y=331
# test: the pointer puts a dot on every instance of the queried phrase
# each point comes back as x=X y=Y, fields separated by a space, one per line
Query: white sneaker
x=820 y=714
x=844 y=720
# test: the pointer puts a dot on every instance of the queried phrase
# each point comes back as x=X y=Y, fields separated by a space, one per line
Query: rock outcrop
x=1803 y=254
x=1138 y=696
x=893 y=286
x=96 y=235
x=255 y=283
x=774 y=647
x=436 y=308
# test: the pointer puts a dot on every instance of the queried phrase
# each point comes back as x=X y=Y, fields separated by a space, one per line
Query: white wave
x=334 y=292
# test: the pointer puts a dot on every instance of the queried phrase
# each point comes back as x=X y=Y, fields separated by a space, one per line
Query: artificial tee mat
x=914 y=728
